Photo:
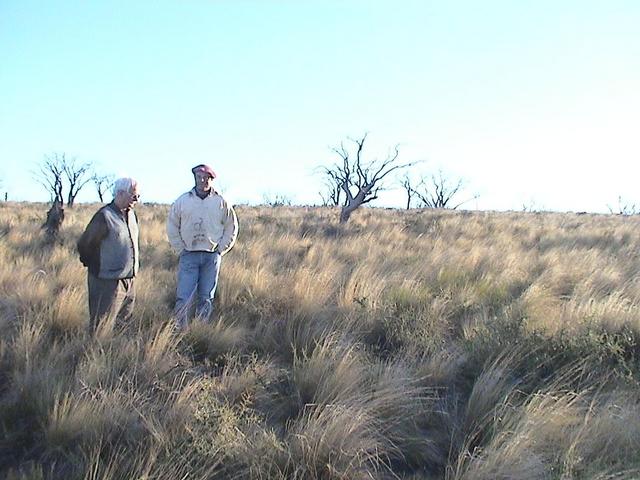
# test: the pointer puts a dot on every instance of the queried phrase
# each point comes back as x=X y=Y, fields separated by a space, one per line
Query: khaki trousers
x=108 y=298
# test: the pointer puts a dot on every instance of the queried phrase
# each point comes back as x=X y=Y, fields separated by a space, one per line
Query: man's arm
x=90 y=240
x=230 y=232
x=173 y=228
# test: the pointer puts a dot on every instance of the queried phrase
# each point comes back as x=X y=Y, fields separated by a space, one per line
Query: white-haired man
x=109 y=248
x=201 y=227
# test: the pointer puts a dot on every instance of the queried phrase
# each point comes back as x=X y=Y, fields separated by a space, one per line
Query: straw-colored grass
x=409 y=344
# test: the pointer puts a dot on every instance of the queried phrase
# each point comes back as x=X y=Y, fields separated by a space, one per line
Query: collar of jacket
x=123 y=213
x=211 y=193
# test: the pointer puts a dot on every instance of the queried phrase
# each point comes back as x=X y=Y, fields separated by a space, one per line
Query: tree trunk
x=346 y=212
x=55 y=216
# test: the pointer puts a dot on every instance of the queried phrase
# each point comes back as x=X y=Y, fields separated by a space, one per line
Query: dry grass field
x=410 y=345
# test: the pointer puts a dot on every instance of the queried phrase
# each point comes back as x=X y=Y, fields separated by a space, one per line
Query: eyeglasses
x=203 y=176
x=133 y=196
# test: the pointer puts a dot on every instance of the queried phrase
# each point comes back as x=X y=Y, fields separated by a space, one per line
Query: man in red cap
x=201 y=228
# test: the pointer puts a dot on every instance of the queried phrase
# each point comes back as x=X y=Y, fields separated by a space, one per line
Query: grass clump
x=416 y=345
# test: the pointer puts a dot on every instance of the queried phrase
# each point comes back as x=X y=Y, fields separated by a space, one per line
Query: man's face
x=128 y=199
x=204 y=181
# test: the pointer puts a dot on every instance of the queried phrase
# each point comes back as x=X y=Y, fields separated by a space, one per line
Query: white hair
x=123 y=185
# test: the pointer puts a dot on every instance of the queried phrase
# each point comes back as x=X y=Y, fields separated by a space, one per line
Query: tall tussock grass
x=409 y=344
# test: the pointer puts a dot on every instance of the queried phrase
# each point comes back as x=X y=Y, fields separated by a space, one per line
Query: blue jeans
x=197 y=280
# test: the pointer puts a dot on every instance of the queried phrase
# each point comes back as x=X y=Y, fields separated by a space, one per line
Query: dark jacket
x=109 y=244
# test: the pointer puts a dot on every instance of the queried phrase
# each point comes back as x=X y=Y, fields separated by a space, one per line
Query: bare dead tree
x=276 y=200
x=407 y=185
x=102 y=184
x=50 y=176
x=58 y=170
x=359 y=180
x=439 y=192
x=624 y=208
x=77 y=175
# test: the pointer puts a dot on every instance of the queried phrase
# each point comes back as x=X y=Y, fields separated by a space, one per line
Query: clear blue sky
x=532 y=102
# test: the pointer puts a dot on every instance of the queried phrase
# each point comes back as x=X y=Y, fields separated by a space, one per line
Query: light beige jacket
x=197 y=224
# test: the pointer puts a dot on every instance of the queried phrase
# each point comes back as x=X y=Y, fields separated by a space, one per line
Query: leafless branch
x=359 y=180
x=102 y=183
x=624 y=208
x=439 y=192
x=77 y=175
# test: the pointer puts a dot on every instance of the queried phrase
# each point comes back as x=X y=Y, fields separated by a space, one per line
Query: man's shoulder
x=185 y=196
x=219 y=197
x=100 y=213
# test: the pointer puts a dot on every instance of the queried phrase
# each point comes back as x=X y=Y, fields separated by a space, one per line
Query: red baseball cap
x=202 y=168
